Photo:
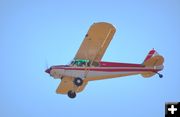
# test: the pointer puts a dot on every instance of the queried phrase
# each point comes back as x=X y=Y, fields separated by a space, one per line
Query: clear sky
x=36 y=32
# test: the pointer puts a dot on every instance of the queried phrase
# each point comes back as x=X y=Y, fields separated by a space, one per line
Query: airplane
x=87 y=65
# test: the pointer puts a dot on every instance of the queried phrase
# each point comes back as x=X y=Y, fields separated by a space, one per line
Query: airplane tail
x=153 y=59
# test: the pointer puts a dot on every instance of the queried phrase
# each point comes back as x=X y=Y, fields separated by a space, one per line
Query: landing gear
x=71 y=94
x=78 y=81
x=160 y=75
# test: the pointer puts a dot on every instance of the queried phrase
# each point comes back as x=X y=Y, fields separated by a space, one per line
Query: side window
x=82 y=63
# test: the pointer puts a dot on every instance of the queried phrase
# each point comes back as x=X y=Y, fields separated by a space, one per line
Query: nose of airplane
x=48 y=70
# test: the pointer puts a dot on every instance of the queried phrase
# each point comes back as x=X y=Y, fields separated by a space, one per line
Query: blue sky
x=35 y=32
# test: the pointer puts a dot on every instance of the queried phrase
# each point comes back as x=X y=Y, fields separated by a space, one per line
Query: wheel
x=160 y=75
x=78 y=81
x=71 y=94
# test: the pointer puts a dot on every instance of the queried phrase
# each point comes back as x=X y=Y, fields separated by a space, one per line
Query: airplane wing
x=96 y=42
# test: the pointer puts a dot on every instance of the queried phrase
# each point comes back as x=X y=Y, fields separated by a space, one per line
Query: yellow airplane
x=87 y=65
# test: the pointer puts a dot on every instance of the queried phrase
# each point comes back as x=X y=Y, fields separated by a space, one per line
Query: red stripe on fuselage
x=110 y=70
x=114 y=64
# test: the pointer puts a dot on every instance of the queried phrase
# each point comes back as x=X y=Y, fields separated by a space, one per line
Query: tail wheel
x=71 y=94
x=78 y=81
x=160 y=75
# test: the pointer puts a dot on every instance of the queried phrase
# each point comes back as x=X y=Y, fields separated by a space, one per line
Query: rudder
x=153 y=59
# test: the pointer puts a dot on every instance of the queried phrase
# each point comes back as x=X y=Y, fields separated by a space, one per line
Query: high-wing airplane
x=87 y=65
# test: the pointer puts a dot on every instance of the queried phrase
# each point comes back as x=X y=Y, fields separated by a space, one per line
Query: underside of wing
x=96 y=42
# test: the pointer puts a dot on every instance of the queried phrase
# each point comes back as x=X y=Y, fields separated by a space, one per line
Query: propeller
x=47 y=69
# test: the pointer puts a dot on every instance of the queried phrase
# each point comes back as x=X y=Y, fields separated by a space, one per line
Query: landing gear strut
x=71 y=94
x=78 y=81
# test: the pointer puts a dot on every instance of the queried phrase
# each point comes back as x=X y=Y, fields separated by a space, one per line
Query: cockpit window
x=80 y=62
x=84 y=62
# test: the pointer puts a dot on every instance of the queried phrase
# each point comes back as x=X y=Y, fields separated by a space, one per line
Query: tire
x=71 y=94
x=160 y=76
x=78 y=81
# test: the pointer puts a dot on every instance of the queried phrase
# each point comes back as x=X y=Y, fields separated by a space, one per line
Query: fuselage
x=102 y=71
x=87 y=65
